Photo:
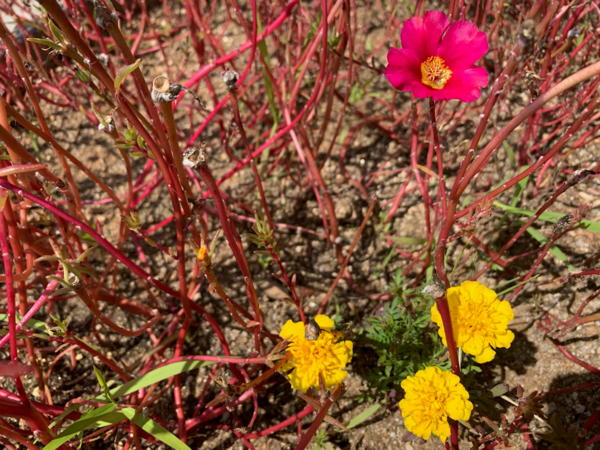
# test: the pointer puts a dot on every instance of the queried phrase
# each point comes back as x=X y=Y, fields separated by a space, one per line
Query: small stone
x=579 y=408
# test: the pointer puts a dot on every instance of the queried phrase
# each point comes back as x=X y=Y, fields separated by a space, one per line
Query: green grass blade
x=360 y=418
x=154 y=376
x=156 y=430
x=95 y=418
x=505 y=291
x=549 y=216
x=557 y=252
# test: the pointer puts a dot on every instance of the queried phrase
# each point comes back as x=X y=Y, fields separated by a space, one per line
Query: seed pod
x=163 y=90
x=194 y=156
x=230 y=78
x=437 y=289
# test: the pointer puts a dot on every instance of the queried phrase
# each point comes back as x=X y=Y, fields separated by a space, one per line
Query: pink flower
x=437 y=59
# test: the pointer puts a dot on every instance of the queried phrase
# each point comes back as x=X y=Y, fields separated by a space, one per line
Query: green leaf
x=95 y=418
x=557 y=252
x=519 y=188
x=156 y=430
x=31 y=323
x=550 y=216
x=408 y=240
x=47 y=42
x=56 y=32
x=103 y=384
x=99 y=116
x=124 y=71
x=360 y=418
x=510 y=152
x=66 y=412
x=154 y=376
x=86 y=253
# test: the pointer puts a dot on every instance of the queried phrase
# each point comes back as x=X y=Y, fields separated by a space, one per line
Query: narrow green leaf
x=56 y=32
x=360 y=418
x=47 y=42
x=506 y=291
x=124 y=71
x=519 y=188
x=67 y=411
x=154 y=376
x=99 y=116
x=549 y=216
x=96 y=418
x=156 y=430
x=557 y=252
x=31 y=323
x=103 y=384
x=408 y=240
x=86 y=253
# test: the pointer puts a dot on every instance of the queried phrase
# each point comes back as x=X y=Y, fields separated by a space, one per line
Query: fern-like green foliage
x=404 y=338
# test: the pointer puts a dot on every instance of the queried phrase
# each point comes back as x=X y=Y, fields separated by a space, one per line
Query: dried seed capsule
x=193 y=157
x=164 y=91
x=230 y=78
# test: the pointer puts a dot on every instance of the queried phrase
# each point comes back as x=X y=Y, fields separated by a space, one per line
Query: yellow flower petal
x=431 y=396
x=479 y=320
x=326 y=356
x=485 y=356
x=324 y=322
x=292 y=330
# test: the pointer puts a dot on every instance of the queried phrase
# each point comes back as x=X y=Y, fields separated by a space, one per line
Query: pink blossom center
x=434 y=72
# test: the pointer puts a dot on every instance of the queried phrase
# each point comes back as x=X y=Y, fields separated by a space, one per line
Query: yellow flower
x=479 y=320
x=431 y=396
x=201 y=253
x=327 y=355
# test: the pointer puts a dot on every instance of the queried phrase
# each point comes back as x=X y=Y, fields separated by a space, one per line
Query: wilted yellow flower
x=431 y=396
x=327 y=355
x=479 y=320
x=201 y=253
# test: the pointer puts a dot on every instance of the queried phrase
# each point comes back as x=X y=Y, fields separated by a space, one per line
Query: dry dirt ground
x=532 y=362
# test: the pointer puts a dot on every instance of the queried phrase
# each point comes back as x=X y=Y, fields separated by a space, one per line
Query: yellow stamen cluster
x=434 y=72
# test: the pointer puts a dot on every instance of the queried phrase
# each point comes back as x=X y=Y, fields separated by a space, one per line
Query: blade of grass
x=156 y=430
x=154 y=376
x=360 y=418
x=549 y=216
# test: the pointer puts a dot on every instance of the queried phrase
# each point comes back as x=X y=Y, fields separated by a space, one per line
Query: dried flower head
x=326 y=356
x=193 y=157
x=479 y=320
x=164 y=91
x=437 y=59
x=230 y=78
x=110 y=124
x=431 y=396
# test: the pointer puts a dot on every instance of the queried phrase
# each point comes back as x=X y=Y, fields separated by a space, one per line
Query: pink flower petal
x=423 y=91
x=403 y=68
x=462 y=45
x=464 y=85
x=422 y=34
